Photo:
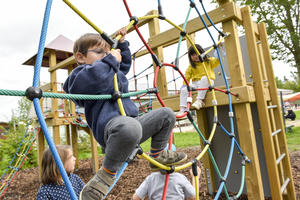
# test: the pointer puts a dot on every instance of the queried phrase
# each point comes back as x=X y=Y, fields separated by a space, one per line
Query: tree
x=282 y=20
x=17 y=128
x=288 y=84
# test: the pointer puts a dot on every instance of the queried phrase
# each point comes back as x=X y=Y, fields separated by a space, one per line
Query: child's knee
x=169 y=114
x=131 y=133
x=183 y=89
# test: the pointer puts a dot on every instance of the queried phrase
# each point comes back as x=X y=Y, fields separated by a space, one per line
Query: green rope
x=70 y=96
x=211 y=157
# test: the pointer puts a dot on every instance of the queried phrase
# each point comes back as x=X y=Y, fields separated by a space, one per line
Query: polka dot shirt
x=59 y=192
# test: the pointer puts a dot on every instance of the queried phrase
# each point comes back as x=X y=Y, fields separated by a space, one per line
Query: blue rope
x=236 y=143
x=39 y=57
x=227 y=169
x=209 y=17
x=118 y=175
x=53 y=149
x=229 y=100
x=36 y=102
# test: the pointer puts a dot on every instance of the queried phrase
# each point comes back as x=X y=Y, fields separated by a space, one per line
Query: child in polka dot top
x=53 y=187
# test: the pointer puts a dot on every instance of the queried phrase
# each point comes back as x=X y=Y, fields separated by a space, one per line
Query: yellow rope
x=17 y=163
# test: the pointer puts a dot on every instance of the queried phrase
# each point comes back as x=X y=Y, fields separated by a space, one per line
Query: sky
x=21 y=23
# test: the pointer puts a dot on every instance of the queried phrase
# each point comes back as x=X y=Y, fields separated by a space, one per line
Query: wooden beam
x=71 y=60
x=224 y=13
x=246 y=94
x=261 y=105
x=46 y=87
x=141 y=22
x=63 y=64
x=222 y=2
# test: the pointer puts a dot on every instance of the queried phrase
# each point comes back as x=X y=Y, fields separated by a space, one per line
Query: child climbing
x=117 y=134
x=196 y=72
x=53 y=187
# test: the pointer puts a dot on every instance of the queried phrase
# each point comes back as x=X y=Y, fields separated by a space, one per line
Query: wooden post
x=67 y=127
x=261 y=104
x=243 y=111
x=75 y=143
x=68 y=138
x=53 y=80
x=41 y=141
x=41 y=148
x=221 y=2
x=207 y=163
x=154 y=29
x=274 y=97
x=95 y=161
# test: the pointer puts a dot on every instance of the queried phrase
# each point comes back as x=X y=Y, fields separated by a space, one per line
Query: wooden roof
x=62 y=46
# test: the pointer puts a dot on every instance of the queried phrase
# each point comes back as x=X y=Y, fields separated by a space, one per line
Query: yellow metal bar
x=148 y=17
x=196 y=187
x=83 y=16
x=154 y=162
x=176 y=26
x=120 y=104
x=211 y=48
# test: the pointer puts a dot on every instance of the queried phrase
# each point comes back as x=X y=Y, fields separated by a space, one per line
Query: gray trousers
x=122 y=134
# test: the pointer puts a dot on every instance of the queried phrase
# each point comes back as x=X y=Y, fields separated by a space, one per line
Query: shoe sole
x=196 y=107
x=178 y=162
x=80 y=195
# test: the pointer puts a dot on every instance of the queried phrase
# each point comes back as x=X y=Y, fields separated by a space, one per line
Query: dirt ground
x=26 y=183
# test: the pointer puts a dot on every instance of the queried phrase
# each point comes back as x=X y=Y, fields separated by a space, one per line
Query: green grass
x=293 y=139
x=182 y=140
x=297 y=114
x=189 y=139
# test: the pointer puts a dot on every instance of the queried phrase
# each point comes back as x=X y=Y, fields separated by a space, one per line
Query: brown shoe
x=97 y=187
x=168 y=158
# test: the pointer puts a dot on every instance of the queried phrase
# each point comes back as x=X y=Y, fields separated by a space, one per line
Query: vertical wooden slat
x=53 y=80
x=277 y=112
x=41 y=142
x=74 y=131
x=67 y=127
x=95 y=160
x=75 y=143
x=207 y=164
x=261 y=105
x=41 y=148
x=154 y=29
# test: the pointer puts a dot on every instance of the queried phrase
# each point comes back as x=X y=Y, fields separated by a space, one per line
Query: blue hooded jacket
x=98 y=79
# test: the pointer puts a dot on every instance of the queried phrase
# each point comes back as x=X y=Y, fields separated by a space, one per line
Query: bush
x=9 y=146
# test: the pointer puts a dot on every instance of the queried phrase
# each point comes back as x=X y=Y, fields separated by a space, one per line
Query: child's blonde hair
x=50 y=171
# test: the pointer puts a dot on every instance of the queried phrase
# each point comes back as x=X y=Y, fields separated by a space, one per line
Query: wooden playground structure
x=262 y=92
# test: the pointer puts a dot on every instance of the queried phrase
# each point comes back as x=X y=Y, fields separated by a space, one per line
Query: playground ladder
x=269 y=111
